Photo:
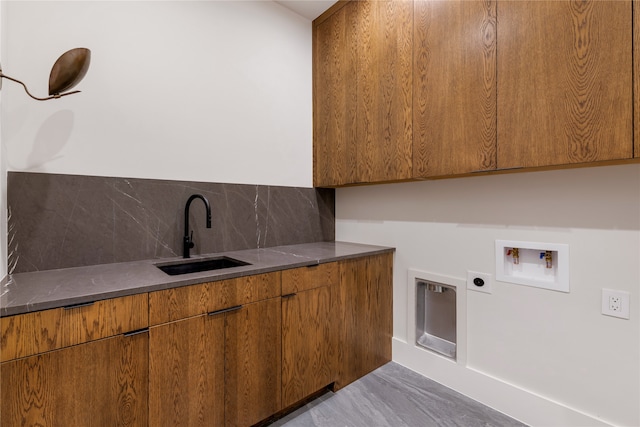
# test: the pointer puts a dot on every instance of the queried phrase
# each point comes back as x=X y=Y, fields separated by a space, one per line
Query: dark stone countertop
x=41 y=290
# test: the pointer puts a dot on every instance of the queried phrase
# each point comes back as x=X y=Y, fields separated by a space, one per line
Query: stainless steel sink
x=195 y=266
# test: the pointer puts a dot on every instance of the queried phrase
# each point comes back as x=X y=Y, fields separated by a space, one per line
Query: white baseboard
x=514 y=401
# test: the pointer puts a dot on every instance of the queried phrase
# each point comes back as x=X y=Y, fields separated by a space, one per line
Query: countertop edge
x=152 y=279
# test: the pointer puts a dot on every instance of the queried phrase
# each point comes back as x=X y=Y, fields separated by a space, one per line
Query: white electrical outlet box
x=615 y=303
x=537 y=264
x=481 y=282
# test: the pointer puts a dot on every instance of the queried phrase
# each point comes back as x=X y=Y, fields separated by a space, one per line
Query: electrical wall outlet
x=615 y=303
x=480 y=282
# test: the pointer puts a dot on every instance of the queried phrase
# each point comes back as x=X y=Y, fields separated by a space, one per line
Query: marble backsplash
x=59 y=221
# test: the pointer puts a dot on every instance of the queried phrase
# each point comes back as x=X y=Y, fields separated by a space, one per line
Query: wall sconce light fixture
x=67 y=72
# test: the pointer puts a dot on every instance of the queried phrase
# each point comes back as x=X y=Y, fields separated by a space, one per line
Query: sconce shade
x=69 y=70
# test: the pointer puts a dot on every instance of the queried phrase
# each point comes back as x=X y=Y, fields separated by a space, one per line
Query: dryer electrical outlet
x=481 y=282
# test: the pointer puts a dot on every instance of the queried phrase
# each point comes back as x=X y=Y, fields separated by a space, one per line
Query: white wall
x=526 y=347
x=216 y=91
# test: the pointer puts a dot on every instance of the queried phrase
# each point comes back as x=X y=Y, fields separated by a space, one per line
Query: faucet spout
x=187 y=241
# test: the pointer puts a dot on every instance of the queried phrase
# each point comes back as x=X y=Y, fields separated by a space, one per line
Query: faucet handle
x=191 y=244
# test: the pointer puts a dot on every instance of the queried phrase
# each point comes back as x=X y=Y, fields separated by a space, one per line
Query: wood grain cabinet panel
x=186 y=380
x=454 y=100
x=302 y=279
x=308 y=344
x=224 y=367
x=636 y=76
x=101 y=383
x=334 y=101
x=182 y=302
x=384 y=121
x=363 y=93
x=446 y=88
x=564 y=82
x=249 y=289
x=221 y=368
x=364 y=303
x=37 y=332
x=253 y=363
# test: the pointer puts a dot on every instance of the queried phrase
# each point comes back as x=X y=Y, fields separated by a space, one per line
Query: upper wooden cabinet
x=636 y=76
x=492 y=84
x=564 y=82
x=334 y=101
x=384 y=90
x=363 y=93
x=454 y=101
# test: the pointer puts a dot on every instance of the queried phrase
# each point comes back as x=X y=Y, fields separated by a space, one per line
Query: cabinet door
x=365 y=307
x=636 y=76
x=384 y=90
x=186 y=372
x=334 y=100
x=307 y=343
x=564 y=82
x=101 y=383
x=253 y=363
x=454 y=102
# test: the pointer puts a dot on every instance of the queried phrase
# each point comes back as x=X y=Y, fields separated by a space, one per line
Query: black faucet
x=187 y=242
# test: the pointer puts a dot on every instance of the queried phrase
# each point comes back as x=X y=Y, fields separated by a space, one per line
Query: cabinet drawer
x=101 y=383
x=33 y=333
x=301 y=279
x=179 y=303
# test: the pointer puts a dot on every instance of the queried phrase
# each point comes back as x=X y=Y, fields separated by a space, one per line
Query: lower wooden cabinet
x=186 y=365
x=365 y=316
x=101 y=383
x=217 y=369
x=252 y=363
x=308 y=344
x=37 y=332
x=236 y=366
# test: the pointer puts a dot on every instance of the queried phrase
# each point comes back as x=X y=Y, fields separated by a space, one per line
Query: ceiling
x=310 y=9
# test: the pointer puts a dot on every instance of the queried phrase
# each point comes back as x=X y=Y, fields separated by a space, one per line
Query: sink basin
x=196 y=266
